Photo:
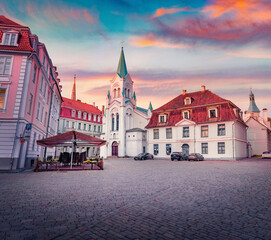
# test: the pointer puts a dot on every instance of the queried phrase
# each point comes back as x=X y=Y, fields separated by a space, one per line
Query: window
x=204 y=131
x=99 y=118
x=94 y=128
x=117 y=127
x=45 y=118
x=115 y=91
x=155 y=133
x=10 y=39
x=168 y=133
x=45 y=90
x=2 y=97
x=128 y=93
x=89 y=127
x=212 y=113
x=168 y=149
x=94 y=118
x=113 y=122
x=73 y=125
x=185 y=132
x=155 y=149
x=186 y=114
x=163 y=118
x=79 y=126
x=67 y=124
x=221 y=148
x=5 y=65
x=204 y=148
x=187 y=101
x=30 y=100
x=79 y=114
x=89 y=116
x=85 y=126
x=41 y=116
x=38 y=111
x=221 y=130
x=34 y=74
x=73 y=113
x=43 y=63
x=118 y=92
x=41 y=84
x=99 y=128
x=84 y=116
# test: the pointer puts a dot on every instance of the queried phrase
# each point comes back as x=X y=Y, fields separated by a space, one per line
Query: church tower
x=73 y=97
x=121 y=113
x=253 y=110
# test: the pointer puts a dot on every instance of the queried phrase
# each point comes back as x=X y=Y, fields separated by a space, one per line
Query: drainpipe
x=233 y=135
x=194 y=138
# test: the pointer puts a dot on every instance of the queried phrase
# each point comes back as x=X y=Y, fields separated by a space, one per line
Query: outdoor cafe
x=71 y=160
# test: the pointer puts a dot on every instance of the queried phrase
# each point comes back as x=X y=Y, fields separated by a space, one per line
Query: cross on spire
x=122 y=43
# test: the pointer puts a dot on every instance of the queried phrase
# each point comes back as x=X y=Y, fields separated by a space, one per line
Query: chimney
x=94 y=104
x=184 y=92
x=203 y=88
x=265 y=116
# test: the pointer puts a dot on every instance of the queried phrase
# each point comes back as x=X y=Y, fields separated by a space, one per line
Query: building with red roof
x=30 y=96
x=198 y=122
x=81 y=117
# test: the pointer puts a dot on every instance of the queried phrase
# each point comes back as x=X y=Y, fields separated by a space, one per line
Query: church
x=123 y=121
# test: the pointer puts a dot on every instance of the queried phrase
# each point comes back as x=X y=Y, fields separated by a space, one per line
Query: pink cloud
x=163 y=11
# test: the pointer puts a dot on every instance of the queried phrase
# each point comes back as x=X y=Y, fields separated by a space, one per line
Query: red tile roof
x=23 y=38
x=77 y=105
x=198 y=109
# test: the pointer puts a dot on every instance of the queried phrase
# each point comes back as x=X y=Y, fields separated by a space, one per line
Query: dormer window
x=187 y=101
x=79 y=114
x=73 y=113
x=89 y=116
x=186 y=115
x=162 y=118
x=212 y=112
x=10 y=38
x=84 y=116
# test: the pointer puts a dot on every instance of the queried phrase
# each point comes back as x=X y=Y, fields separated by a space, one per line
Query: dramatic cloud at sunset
x=163 y=11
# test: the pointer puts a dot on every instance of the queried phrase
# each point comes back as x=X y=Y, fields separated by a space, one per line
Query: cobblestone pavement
x=153 y=199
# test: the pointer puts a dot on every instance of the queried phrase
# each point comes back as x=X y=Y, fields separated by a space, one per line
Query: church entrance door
x=115 y=147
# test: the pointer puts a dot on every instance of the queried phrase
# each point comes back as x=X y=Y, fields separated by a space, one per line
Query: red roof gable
x=5 y=21
x=198 y=98
x=77 y=105
x=23 y=37
x=201 y=101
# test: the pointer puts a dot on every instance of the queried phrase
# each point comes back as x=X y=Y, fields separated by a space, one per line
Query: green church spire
x=252 y=105
x=122 y=69
x=150 y=107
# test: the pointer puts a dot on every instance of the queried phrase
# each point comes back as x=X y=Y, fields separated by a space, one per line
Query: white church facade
x=123 y=121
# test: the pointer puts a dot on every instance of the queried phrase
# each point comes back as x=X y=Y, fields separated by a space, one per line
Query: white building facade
x=198 y=122
x=259 y=128
x=123 y=121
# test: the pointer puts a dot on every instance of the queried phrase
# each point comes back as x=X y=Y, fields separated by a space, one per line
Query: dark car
x=178 y=155
x=143 y=156
x=195 y=157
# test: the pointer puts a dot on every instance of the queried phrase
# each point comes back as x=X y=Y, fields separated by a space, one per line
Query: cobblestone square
x=152 y=199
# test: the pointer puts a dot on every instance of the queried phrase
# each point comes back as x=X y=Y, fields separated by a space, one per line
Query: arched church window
x=115 y=91
x=128 y=93
x=125 y=92
x=113 y=121
x=118 y=92
x=117 y=122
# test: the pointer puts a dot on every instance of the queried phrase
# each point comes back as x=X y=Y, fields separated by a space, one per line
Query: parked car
x=266 y=155
x=195 y=157
x=179 y=156
x=143 y=156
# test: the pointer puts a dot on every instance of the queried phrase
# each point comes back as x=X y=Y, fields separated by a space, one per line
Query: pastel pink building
x=30 y=96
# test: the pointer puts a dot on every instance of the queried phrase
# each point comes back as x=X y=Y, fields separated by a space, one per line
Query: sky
x=169 y=46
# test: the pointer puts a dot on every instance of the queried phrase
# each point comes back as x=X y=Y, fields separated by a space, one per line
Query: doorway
x=115 y=146
x=185 y=149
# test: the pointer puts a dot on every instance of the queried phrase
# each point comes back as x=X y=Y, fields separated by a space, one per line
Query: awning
x=71 y=137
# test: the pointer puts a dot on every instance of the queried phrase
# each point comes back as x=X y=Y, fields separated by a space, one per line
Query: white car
x=266 y=155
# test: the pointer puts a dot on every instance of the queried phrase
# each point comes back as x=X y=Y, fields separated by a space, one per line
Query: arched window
x=117 y=122
x=118 y=92
x=113 y=121
x=125 y=92
x=128 y=93
x=115 y=92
